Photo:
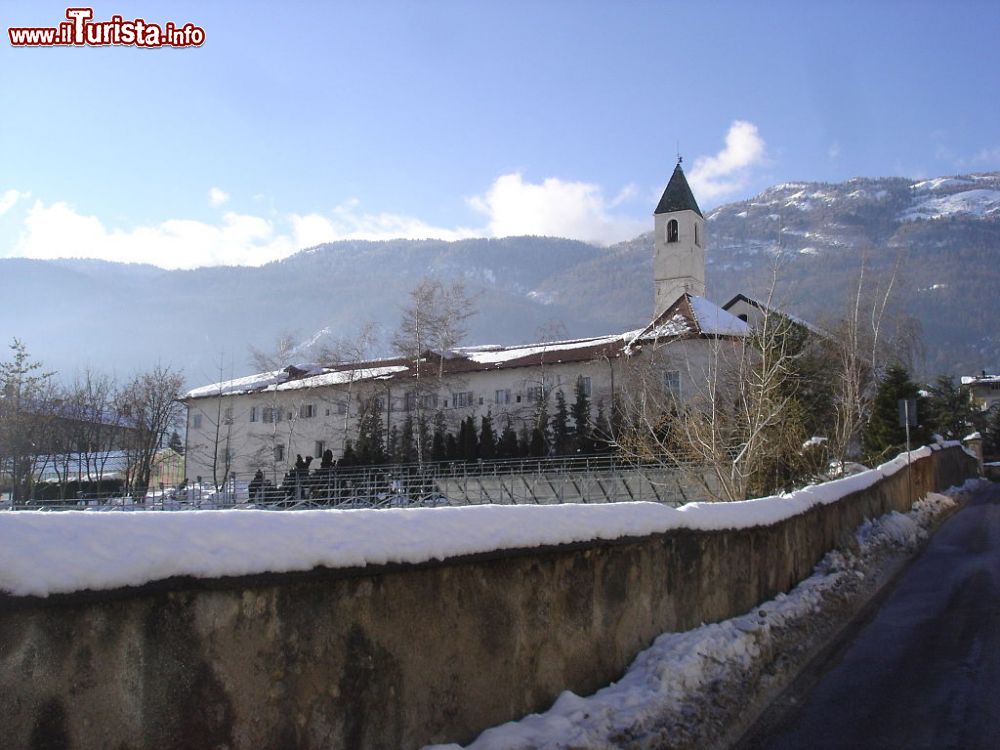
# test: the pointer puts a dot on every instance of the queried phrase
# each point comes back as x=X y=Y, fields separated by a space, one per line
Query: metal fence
x=540 y=481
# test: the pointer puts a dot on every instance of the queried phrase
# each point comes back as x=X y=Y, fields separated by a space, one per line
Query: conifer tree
x=508 y=442
x=581 y=418
x=539 y=441
x=407 y=448
x=883 y=434
x=487 y=439
x=560 y=425
x=950 y=413
x=439 y=447
x=371 y=436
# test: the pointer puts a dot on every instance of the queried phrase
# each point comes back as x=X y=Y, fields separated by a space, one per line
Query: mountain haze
x=944 y=233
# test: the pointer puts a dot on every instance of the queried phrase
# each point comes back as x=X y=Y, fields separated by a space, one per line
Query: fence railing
x=568 y=479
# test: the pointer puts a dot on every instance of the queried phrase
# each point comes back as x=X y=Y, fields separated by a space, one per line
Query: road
x=924 y=672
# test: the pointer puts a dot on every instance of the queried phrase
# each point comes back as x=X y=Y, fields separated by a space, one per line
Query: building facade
x=265 y=421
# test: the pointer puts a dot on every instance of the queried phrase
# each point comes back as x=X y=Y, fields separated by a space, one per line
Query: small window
x=196 y=421
x=584 y=382
x=501 y=397
x=535 y=393
x=279 y=453
x=519 y=398
x=268 y=415
x=253 y=413
x=307 y=411
x=227 y=415
x=341 y=407
x=480 y=400
x=320 y=448
x=430 y=401
x=697 y=235
x=672 y=231
x=672 y=382
x=328 y=411
x=743 y=317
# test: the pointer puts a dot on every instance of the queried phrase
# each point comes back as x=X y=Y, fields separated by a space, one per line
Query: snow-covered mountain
x=943 y=233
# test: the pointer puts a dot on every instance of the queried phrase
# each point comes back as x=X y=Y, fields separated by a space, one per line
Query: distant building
x=984 y=390
x=265 y=420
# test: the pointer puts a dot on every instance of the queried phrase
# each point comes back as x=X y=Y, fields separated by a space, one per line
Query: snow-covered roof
x=494 y=354
x=983 y=379
x=692 y=315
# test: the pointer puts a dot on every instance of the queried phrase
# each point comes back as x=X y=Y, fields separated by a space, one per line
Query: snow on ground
x=49 y=553
x=657 y=702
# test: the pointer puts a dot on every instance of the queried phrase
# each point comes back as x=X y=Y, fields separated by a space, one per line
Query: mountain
x=943 y=233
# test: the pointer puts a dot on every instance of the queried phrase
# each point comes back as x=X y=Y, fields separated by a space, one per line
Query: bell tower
x=679 y=243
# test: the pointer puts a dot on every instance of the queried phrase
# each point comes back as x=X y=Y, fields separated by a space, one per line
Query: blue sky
x=306 y=122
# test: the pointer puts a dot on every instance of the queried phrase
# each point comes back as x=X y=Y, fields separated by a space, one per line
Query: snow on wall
x=52 y=553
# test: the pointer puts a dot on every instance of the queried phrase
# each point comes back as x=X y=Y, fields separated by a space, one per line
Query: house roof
x=678 y=195
x=767 y=309
x=689 y=317
x=692 y=316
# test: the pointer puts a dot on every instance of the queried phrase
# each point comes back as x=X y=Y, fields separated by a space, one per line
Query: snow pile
x=659 y=699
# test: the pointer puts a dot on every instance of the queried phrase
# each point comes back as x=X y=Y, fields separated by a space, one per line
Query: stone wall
x=395 y=656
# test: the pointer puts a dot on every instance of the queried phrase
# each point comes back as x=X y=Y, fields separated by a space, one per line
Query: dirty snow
x=978 y=203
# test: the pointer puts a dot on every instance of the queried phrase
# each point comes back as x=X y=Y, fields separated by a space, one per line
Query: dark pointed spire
x=677 y=196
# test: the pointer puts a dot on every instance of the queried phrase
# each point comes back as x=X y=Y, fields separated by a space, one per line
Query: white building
x=984 y=390
x=264 y=421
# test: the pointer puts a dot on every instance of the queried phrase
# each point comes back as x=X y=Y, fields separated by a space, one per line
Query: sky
x=300 y=123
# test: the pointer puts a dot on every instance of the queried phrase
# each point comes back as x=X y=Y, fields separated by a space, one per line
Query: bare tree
x=435 y=319
x=149 y=404
x=25 y=419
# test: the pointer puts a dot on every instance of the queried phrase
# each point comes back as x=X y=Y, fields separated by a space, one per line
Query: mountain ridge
x=946 y=230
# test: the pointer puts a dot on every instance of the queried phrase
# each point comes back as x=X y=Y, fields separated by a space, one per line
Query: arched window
x=672 y=230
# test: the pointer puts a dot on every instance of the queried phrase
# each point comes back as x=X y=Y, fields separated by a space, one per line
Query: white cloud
x=511 y=206
x=217 y=196
x=555 y=208
x=727 y=172
x=8 y=198
x=57 y=230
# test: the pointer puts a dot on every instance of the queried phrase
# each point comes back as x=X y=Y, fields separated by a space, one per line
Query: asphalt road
x=924 y=672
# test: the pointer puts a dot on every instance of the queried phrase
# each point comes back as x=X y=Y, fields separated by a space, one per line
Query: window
x=697 y=235
x=328 y=411
x=462 y=399
x=269 y=415
x=307 y=411
x=279 y=453
x=480 y=400
x=196 y=421
x=227 y=415
x=535 y=393
x=519 y=398
x=253 y=414
x=584 y=382
x=430 y=401
x=672 y=382
x=341 y=407
x=501 y=396
x=320 y=448
x=672 y=232
x=411 y=401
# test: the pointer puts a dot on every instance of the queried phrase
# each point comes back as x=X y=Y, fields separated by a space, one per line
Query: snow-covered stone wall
x=415 y=637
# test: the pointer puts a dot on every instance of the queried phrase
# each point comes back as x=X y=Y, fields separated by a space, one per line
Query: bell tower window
x=672 y=230
x=697 y=235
